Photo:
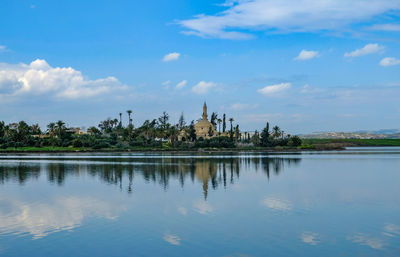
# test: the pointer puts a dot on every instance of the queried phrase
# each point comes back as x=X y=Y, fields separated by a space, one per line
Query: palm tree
x=219 y=125
x=214 y=117
x=115 y=122
x=277 y=131
x=60 y=125
x=129 y=115
x=120 y=119
x=173 y=134
x=36 y=129
x=51 y=128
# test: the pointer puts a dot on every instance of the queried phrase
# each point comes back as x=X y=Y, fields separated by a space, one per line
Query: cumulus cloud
x=389 y=61
x=171 y=57
x=203 y=87
x=310 y=238
x=287 y=15
x=306 y=55
x=181 y=84
x=274 y=89
x=172 y=239
x=368 y=49
x=39 y=78
x=277 y=204
x=386 y=27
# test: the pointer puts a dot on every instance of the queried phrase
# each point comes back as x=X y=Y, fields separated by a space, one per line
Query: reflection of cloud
x=364 y=239
x=277 y=204
x=391 y=230
x=43 y=219
x=203 y=207
x=172 y=239
x=182 y=210
x=310 y=238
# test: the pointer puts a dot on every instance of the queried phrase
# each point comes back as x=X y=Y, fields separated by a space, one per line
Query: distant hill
x=362 y=134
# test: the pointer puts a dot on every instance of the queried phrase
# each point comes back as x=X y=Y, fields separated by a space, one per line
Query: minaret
x=205 y=116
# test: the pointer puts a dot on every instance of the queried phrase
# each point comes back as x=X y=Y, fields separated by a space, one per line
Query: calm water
x=310 y=204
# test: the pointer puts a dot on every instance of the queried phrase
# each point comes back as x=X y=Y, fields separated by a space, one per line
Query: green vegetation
x=157 y=134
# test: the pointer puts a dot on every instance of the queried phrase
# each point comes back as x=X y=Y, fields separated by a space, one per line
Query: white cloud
x=241 y=106
x=274 y=89
x=39 y=78
x=181 y=84
x=288 y=15
x=386 y=27
x=389 y=61
x=368 y=49
x=172 y=239
x=310 y=238
x=306 y=55
x=203 y=207
x=203 y=87
x=171 y=57
x=277 y=204
x=363 y=239
x=2 y=48
x=166 y=83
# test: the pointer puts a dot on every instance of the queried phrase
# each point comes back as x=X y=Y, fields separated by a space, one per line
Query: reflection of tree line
x=214 y=172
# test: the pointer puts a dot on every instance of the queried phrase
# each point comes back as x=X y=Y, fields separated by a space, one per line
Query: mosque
x=204 y=128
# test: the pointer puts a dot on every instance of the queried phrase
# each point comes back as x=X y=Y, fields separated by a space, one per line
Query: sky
x=305 y=65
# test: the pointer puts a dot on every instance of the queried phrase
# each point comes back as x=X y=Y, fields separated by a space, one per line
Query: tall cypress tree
x=265 y=136
x=224 y=124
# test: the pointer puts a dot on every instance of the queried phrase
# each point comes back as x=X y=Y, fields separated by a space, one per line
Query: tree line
x=159 y=132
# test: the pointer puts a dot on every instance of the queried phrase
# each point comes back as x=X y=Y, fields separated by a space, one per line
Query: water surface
x=344 y=203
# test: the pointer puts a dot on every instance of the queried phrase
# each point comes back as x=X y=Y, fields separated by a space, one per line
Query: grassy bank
x=352 y=142
x=50 y=149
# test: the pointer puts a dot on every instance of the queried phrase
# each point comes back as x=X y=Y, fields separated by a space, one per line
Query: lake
x=344 y=203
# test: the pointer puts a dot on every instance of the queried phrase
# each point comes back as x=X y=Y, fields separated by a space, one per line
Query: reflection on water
x=214 y=172
x=62 y=213
x=316 y=204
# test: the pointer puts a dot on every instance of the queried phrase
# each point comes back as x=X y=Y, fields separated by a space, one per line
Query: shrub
x=295 y=141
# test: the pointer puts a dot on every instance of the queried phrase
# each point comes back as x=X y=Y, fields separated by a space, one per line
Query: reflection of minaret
x=205 y=116
x=205 y=170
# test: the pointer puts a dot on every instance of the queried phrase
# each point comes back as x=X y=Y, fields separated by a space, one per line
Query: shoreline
x=200 y=150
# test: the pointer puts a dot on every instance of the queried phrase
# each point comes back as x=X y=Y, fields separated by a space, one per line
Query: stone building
x=204 y=128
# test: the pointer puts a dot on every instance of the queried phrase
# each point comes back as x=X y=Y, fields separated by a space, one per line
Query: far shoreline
x=309 y=145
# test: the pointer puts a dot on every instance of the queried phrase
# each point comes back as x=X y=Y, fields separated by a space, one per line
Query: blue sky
x=305 y=65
